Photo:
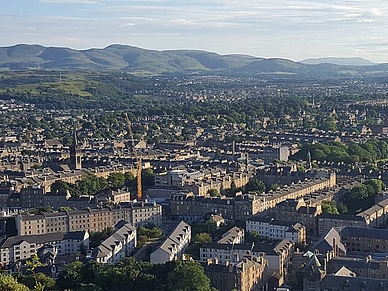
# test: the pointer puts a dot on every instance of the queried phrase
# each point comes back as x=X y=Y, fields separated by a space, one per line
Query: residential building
x=328 y=221
x=32 y=197
x=368 y=240
x=18 y=248
x=94 y=219
x=116 y=197
x=6 y=190
x=275 y=153
x=173 y=246
x=116 y=247
x=247 y=275
x=297 y=210
x=277 y=255
x=276 y=229
x=235 y=235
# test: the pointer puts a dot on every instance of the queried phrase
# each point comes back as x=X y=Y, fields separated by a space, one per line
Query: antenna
x=60 y=77
x=38 y=66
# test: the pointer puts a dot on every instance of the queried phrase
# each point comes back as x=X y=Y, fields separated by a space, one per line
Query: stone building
x=247 y=275
x=96 y=219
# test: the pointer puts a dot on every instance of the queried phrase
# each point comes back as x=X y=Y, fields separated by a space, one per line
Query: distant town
x=270 y=182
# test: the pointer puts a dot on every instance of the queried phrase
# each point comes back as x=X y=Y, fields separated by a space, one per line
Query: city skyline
x=288 y=29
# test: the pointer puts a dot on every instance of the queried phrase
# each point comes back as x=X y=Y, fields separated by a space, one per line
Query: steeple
x=308 y=159
x=75 y=153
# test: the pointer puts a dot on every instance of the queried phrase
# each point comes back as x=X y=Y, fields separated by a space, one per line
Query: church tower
x=75 y=154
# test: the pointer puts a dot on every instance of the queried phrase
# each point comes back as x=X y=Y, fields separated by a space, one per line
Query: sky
x=293 y=29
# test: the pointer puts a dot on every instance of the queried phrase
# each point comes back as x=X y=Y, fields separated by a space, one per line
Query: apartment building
x=328 y=221
x=19 y=248
x=193 y=208
x=276 y=229
x=173 y=246
x=96 y=219
x=277 y=255
x=200 y=182
x=247 y=275
x=235 y=235
x=32 y=197
x=297 y=210
x=368 y=240
x=116 y=247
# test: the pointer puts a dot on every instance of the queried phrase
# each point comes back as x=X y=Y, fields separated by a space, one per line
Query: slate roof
x=42 y=238
x=230 y=235
x=364 y=232
x=108 y=245
x=174 y=239
x=325 y=243
x=340 y=283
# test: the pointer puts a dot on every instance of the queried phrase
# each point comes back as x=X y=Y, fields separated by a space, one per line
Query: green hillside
x=151 y=62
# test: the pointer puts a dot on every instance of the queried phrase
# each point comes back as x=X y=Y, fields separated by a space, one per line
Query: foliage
x=370 y=151
x=362 y=197
x=8 y=283
x=187 y=276
x=202 y=238
x=133 y=275
x=91 y=184
x=329 y=207
x=33 y=282
x=39 y=210
x=96 y=238
x=148 y=232
x=252 y=236
x=255 y=185
x=213 y=192
x=40 y=281
x=148 y=177
x=116 y=180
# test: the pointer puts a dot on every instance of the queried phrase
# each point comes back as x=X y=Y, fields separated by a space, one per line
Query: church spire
x=308 y=159
x=75 y=153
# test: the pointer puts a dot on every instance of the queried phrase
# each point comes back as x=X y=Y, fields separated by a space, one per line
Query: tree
x=252 y=236
x=377 y=185
x=60 y=186
x=116 y=180
x=38 y=281
x=187 y=276
x=71 y=277
x=213 y=192
x=148 y=177
x=32 y=264
x=8 y=283
x=329 y=207
x=202 y=238
x=129 y=179
x=359 y=198
x=255 y=185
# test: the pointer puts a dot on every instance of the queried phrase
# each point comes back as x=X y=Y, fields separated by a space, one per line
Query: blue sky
x=294 y=29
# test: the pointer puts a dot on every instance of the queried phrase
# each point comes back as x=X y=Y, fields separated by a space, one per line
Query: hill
x=151 y=62
x=339 y=61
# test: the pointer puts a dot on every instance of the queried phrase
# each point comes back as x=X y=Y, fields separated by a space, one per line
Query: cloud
x=71 y=1
x=285 y=28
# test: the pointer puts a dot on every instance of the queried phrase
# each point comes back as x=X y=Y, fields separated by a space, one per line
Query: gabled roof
x=325 y=243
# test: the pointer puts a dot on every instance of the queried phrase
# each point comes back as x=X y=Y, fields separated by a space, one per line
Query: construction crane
x=138 y=160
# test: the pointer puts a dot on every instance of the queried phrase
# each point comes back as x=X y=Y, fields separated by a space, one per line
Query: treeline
x=91 y=184
x=371 y=151
x=128 y=275
x=358 y=199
